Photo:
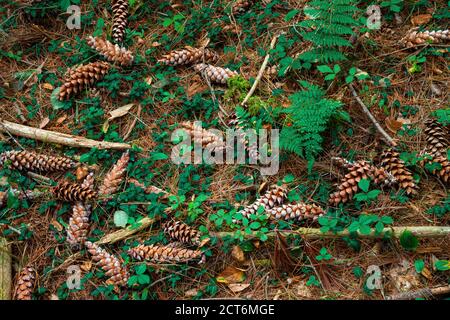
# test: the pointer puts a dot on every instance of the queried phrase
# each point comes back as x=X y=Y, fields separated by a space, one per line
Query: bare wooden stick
x=366 y=110
x=5 y=270
x=394 y=232
x=59 y=138
x=261 y=71
x=125 y=233
x=421 y=293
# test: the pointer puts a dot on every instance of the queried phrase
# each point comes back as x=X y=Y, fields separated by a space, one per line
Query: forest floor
x=406 y=86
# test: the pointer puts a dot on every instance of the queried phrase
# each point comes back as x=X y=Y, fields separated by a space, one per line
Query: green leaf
x=54 y=99
x=364 y=229
x=291 y=14
x=324 y=69
x=379 y=227
x=255 y=225
x=419 y=265
x=363 y=184
x=358 y=272
x=442 y=265
x=373 y=194
x=330 y=76
x=167 y=22
x=64 y=4
x=408 y=240
x=387 y=220
x=288 y=178
x=159 y=156
x=336 y=68
x=120 y=218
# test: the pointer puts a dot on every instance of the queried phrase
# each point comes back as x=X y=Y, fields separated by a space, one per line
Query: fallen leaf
x=231 y=275
x=116 y=113
x=48 y=86
x=61 y=119
x=393 y=125
x=81 y=173
x=238 y=254
x=57 y=225
x=238 y=287
x=191 y=293
x=86 y=266
x=44 y=122
x=421 y=19
x=426 y=273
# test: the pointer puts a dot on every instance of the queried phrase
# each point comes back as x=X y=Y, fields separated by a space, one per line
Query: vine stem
x=261 y=71
x=366 y=110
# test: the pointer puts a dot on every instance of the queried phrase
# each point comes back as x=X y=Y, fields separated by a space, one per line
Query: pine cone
x=391 y=162
x=415 y=37
x=240 y=6
x=202 y=136
x=188 y=55
x=444 y=171
x=215 y=74
x=437 y=138
x=342 y=162
x=250 y=146
x=73 y=192
x=30 y=161
x=112 y=265
x=164 y=254
x=88 y=182
x=78 y=225
x=112 y=52
x=120 y=14
x=183 y=233
x=298 y=211
x=349 y=183
x=115 y=176
x=25 y=284
x=82 y=77
x=275 y=196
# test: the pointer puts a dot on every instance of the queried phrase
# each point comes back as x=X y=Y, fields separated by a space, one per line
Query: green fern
x=328 y=29
x=309 y=114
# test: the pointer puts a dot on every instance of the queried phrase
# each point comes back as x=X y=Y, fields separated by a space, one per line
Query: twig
x=133 y=124
x=394 y=232
x=59 y=138
x=125 y=233
x=366 y=110
x=261 y=71
x=5 y=270
x=422 y=293
x=19 y=112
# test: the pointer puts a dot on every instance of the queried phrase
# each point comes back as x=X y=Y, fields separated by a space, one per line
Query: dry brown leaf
x=238 y=254
x=44 y=122
x=231 y=275
x=426 y=273
x=48 y=86
x=421 y=19
x=81 y=173
x=57 y=225
x=61 y=119
x=117 y=113
x=393 y=125
x=238 y=287
x=86 y=266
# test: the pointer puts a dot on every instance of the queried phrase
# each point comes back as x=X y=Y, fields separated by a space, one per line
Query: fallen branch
x=5 y=270
x=366 y=110
x=59 y=138
x=315 y=233
x=261 y=71
x=422 y=293
x=125 y=233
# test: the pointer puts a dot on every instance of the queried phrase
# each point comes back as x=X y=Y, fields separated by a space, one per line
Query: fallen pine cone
x=298 y=211
x=415 y=37
x=82 y=77
x=112 y=52
x=116 y=273
x=78 y=227
x=115 y=176
x=165 y=254
x=188 y=55
x=31 y=161
x=437 y=138
x=391 y=162
x=179 y=231
x=73 y=192
x=120 y=14
x=25 y=284
x=215 y=74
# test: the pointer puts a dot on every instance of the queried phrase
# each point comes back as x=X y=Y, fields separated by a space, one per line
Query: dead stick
x=59 y=138
x=261 y=71
x=421 y=293
x=5 y=270
x=366 y=110
x=315 y=233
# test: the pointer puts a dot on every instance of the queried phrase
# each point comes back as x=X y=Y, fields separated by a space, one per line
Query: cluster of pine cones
x=85 y=76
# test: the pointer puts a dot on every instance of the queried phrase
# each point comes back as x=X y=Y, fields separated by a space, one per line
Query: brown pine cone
x=188 y=55
x=164 y=254
x=240 y=6
x=25 y=284
x=391 y=162
x=83 y=77
x=78 y=225
x=183 y=233
x=30 y=161
x=112 y=265
x=73 y=192
x=415 y=37
x=112 y=52
x=298 y=211
x=275 y=196
x=342 y=162
x=444 y=171
x=204 y=137
x=88 y=181
x=250 y=146
x=349 y=183
x=120 y=15
x=115 y=176
x=437 y=138
x=215 y=74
